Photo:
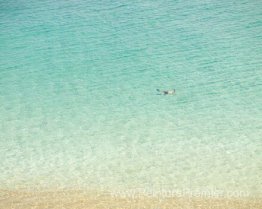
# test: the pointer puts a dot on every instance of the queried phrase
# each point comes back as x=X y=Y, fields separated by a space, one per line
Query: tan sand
x=84 y=200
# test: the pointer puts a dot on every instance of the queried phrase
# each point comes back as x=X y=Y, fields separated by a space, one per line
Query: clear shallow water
x=79 y=107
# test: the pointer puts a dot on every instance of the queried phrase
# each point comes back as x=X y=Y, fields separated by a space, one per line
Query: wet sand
x=94 y=200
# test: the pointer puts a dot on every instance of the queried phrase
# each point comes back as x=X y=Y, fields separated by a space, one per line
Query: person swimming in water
x=167 y=92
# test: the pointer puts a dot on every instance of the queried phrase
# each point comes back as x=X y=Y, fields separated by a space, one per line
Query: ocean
x=79 y=107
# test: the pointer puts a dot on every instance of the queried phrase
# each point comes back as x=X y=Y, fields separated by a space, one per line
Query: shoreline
x=79 y=199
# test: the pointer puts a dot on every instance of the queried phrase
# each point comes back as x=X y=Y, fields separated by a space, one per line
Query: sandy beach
x=85 y=200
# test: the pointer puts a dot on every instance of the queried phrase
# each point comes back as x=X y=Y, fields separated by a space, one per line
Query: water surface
x=78 y=104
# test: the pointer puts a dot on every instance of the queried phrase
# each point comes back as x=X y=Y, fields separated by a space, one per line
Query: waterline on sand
x=101 y=200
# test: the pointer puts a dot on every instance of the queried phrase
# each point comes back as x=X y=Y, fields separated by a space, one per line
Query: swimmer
x=167 y=92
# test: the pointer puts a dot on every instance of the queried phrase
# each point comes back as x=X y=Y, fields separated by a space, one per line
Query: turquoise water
x=78 y=102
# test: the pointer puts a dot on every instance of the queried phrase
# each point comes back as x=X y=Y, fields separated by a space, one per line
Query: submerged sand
x=103 y=200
